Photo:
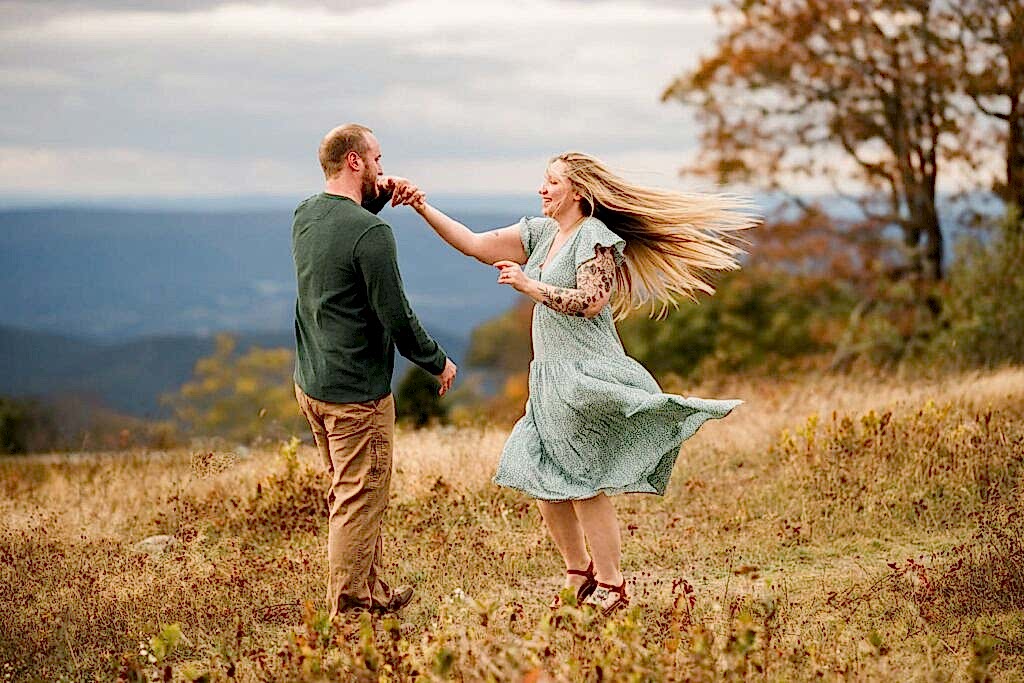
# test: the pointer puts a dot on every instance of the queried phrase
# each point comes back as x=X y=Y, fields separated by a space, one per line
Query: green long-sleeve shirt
x=351 y=311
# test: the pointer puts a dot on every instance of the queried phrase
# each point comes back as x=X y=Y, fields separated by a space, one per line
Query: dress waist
x=549 y=362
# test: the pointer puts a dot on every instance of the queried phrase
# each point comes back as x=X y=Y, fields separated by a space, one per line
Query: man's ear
x=354 y=160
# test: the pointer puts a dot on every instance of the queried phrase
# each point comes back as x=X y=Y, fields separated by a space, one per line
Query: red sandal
x=585 y=589
x=608 y=598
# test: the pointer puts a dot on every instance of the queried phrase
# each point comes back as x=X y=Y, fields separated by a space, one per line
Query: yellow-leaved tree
x=242 y=397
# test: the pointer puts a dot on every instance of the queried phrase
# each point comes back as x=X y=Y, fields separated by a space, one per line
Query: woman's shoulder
x=595 y=233
x=597 y=226
x=532 y=230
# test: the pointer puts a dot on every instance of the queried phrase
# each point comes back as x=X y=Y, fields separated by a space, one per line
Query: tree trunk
x=1015 y=154
x=922 y=234
x=933 y=252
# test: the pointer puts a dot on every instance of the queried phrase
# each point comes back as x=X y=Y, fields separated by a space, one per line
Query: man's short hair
x=336 y=145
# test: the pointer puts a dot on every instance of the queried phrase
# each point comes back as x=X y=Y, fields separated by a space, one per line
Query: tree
x=24 y=426
x=503 y=342
x=853 y=91
x=240 y=397
x=417 y=399
x=990 y=39
x=758 y=319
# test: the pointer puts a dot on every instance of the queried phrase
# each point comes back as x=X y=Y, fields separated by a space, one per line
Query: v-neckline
x=549 y=258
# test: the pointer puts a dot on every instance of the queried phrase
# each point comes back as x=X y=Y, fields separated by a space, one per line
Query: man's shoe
x=400 y=597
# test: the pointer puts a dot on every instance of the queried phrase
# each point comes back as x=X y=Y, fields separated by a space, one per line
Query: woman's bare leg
x=601 y=526
x=566 y=532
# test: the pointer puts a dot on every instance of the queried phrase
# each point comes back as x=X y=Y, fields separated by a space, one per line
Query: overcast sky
x=200 y=97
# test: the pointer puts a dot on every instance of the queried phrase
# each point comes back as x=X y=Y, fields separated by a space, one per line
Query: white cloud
x=130 y=172
x=240 y=92
x=34 y=77
x=107 y=171
x=407 y=19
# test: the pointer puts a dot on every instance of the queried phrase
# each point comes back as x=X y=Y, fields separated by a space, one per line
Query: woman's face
x=556 y=193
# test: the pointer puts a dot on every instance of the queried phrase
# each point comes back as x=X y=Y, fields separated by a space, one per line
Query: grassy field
x=832 y=527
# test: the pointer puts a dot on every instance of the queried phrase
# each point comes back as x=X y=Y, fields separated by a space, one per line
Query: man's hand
x=447 y=376
x=402 y=190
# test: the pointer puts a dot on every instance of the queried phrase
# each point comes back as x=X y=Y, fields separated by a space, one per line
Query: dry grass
x=832 y=527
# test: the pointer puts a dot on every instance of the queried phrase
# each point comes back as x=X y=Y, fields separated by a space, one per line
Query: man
x=350 y=315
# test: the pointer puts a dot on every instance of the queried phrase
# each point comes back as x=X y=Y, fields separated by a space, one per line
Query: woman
x=596 y=422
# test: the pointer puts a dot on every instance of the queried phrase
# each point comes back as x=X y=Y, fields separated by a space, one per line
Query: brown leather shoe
x=400 y=597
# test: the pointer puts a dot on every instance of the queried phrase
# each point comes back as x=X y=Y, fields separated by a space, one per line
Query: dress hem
x=607 y=491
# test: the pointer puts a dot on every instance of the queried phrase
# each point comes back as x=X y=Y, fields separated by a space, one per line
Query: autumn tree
x=857 y=92
x=503 y=342
x=417 y=400
x=241 y=397
x=990 y=41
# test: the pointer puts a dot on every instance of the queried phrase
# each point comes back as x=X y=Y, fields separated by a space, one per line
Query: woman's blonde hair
x=672 y=239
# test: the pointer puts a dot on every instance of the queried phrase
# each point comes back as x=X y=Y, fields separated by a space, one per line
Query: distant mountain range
x=118 y=304
x=130 y=376
x=117 y=274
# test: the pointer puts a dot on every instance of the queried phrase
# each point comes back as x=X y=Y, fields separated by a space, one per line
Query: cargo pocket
x=380 y=457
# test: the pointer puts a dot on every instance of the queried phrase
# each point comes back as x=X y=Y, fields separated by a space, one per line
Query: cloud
x=387 y=21
x=112 y=172
x=126 y=172
x=218 y=86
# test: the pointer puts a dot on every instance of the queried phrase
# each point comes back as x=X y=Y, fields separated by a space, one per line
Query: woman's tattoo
x=594 y=280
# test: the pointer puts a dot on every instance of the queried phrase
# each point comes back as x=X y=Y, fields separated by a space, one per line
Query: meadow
x=834 y=527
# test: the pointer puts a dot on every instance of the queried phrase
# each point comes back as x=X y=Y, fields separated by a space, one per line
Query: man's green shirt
x=351 y=311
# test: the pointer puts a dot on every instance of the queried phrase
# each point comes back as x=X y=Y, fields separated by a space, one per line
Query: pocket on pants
x=380 y=457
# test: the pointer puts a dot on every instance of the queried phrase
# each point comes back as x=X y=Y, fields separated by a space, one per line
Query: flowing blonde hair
x=672 y=239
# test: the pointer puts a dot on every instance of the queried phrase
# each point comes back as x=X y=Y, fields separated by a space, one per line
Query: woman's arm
x=594 y=281
x=489 y=247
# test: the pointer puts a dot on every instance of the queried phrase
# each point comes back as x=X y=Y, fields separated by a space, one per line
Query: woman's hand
x=512 y=274
x=403 y=192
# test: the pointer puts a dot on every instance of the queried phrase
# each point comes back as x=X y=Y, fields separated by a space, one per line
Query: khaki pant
x=356 y=441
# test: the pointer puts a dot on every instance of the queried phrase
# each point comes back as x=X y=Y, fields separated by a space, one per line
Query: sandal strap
x=588 y=572
x=620 y=589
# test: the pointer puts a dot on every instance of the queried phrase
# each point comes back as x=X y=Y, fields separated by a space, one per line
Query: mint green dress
x=596 y=420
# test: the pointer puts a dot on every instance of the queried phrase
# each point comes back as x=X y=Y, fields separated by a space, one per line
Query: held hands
x=447 y=376
x=404 y=192
x=511 y=273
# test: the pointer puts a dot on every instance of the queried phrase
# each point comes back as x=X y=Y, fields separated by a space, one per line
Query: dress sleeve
x=594 y=233
x=530 y=232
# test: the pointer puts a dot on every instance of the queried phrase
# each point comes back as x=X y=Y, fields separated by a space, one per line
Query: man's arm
x=376 y=257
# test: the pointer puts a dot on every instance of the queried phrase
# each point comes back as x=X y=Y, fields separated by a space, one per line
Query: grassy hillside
x=832 y=528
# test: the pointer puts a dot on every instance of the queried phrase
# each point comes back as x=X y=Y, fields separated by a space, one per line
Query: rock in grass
x=155 y=546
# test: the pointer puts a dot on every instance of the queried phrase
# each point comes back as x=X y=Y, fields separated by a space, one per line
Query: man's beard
x=369 y=185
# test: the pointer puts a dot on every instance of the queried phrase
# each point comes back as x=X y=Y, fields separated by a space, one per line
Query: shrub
x=985 y=319
x=929 y=467
x=23 y=425
x=417 y=400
